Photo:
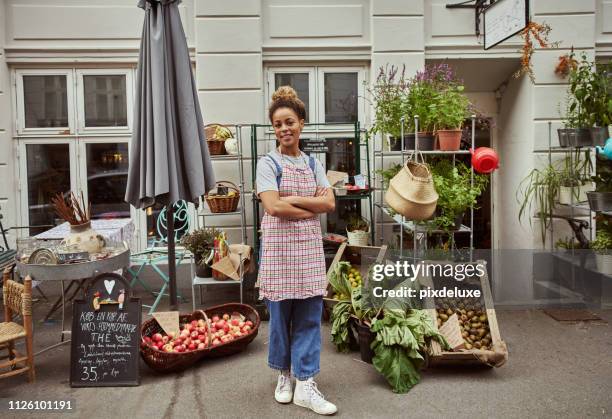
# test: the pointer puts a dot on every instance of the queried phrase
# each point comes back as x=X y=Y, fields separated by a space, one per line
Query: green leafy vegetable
x=338 y=278
x=340 y=328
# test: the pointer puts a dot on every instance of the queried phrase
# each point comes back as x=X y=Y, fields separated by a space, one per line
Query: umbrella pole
x=171 y=257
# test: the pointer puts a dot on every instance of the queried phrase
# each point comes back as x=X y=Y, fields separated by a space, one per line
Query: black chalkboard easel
x=105 y=347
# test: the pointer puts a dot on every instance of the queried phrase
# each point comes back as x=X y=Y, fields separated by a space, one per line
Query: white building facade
x=67 y=74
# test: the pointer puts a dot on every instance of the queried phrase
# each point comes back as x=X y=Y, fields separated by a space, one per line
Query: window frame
x=22 y=156
x=20 y=122
x=271 y=87
x=361 y=108
x=80 y=102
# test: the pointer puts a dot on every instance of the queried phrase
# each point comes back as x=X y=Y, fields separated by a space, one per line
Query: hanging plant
x=566 y=64
x=533 y=32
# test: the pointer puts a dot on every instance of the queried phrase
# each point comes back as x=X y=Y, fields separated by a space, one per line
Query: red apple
x=247 y=327
x=201 y=337
x=226 y=328
x=226 y=316
x=157 y=337
x=186 y=342
x=165 y=339
x=220 y=324
x=194 y=335
x=215 y=319
x=249 y=323
x=201 y=323
x=216 y=342
x=201 y=346
x=241 y=324
x=235 y=322
x=192 y=346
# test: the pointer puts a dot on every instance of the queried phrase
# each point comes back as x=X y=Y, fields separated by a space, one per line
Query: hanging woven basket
x=411 y=192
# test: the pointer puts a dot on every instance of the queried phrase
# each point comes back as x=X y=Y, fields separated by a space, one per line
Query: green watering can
x=606 y=150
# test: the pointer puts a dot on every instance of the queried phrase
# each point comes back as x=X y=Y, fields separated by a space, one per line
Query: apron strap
x=279 y=169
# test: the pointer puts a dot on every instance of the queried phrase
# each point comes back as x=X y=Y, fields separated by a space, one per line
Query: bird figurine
x=96 y=301
x=121 y=299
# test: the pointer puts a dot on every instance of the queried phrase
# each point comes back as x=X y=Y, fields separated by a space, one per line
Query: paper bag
x=230 y=265
x=336 y=177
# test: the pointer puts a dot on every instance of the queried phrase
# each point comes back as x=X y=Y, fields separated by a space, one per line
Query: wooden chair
x=17 y=300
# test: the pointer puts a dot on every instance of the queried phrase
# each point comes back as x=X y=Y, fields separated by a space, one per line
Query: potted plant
x=423 y=92
x=456 y=193
x=602 y=245
x=539 y=190
x=389 y=173
x=575 y=179
x=601 y=198
x=357 y=230
x=449 y=111
x=589 y=106
x=567 y=244
x=200 y=243
x=388 y=98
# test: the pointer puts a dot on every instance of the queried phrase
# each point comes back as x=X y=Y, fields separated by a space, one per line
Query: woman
x=293 y=189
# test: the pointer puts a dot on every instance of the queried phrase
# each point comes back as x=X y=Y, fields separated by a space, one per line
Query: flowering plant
x=388 y=95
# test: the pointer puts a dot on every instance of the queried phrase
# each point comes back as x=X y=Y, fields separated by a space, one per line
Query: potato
x=481 y=332
x=477 y=344
x=465 y=334
x=483 y=318
x=472 y=338
x=470 y=313
x=476 y=325
x=488 y=336
x=468 y=346
x=473 y=331
x=464 y=318
x=474 y=319
x=443 y=316
x=485 y=341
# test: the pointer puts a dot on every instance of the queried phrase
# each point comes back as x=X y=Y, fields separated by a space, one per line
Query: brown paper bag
x=230 y=265
x=452 y=332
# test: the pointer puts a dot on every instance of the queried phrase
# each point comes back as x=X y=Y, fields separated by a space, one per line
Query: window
x=73 y=132
x=104 y=100
x=332 y=95
x=44 y=102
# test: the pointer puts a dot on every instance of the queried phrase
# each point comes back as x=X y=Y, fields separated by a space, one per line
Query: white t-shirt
x=267 y=172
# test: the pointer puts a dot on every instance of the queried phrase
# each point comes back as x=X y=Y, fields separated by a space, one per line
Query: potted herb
x=358 y=230
x=449 y=111
x=423 y=93
x=388 y=98
x=602 y=245
x=456 y=193
x=200 y=243
x=389 y=173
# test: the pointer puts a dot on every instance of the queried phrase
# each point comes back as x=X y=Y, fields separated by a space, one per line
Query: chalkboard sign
x=309 y=145
x=105 y=347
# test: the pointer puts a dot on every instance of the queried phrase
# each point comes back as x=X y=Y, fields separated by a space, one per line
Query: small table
x=73 y=272
x=118 y=230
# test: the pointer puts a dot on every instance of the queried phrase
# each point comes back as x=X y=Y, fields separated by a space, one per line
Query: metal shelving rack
x=203 y=213
x=418 y=230
x=319 y=130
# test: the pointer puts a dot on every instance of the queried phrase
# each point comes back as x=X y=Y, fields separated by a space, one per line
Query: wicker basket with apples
x=218 y=331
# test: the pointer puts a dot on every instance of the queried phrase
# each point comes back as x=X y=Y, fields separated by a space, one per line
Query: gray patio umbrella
x=169 y=159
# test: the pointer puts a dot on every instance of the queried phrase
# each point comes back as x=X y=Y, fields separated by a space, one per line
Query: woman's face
x=287 y=126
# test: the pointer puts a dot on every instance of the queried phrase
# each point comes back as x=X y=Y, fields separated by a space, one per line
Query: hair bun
x=284 y=93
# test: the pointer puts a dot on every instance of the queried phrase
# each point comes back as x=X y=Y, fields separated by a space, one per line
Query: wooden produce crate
x=361 y=257
x=495 y=355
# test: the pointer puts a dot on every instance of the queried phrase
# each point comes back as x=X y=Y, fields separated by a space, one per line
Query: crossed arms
x=298 y=207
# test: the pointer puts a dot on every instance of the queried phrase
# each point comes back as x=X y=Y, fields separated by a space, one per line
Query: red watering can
x=484 y=160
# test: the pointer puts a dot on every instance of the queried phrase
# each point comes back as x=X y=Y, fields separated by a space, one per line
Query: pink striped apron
x=292 y=263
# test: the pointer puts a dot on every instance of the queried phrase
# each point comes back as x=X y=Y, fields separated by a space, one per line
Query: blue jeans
x=295 y=336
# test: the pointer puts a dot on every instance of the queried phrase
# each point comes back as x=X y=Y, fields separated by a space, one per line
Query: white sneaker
x=284 y=389
x=308 y=395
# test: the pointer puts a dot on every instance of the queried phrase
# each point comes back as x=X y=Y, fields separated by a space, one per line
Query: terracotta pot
x=449 y=139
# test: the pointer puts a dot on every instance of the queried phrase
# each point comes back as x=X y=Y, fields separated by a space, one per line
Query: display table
x=77 y=274
x=116 y=229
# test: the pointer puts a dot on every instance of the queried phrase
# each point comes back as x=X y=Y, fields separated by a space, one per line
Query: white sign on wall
x=504 y=19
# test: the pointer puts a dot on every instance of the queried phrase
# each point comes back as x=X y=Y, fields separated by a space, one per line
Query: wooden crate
x=495 y=357
x=361 y=257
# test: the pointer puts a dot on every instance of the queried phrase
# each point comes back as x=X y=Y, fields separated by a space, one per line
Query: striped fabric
x=292 y=263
